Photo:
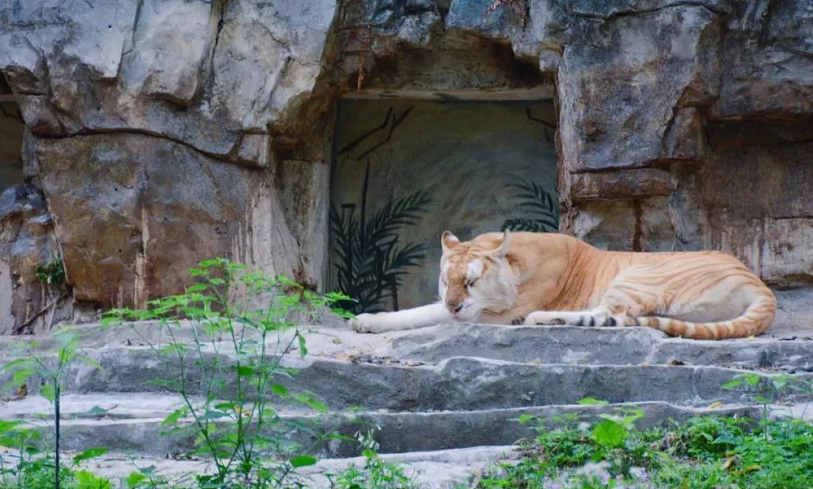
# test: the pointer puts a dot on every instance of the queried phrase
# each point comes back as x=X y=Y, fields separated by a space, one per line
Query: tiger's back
x=703 y=294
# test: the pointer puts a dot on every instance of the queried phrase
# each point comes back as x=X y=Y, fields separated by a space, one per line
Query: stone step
x=432 y=345
x=454 y=384
x=132 y=423
x=442 y=469
x=609 y=346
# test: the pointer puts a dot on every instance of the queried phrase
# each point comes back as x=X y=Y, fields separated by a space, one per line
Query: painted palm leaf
x=538 y=209
x=371 y=261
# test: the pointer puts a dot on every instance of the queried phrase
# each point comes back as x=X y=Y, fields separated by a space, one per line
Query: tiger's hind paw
x=544 y=318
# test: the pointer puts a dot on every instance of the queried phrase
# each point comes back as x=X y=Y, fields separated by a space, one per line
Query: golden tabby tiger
x=557 y=279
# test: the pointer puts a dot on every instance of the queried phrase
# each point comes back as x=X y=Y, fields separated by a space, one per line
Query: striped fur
x=544 y=279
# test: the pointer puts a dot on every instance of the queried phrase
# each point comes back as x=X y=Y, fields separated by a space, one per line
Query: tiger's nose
x=454 y=307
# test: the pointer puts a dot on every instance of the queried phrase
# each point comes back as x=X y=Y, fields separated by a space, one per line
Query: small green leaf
x=49 y=392
x=303 y=461
x=17 y=363
x=134 y=479
x=97 y=411
x=18 y=378
x=311 y=402
x=279 y=390
x=7 y=426
x=589 y=401
x=173 y=418
x=243 y=370
x=610 y=433
x=89 y=361
x=87 y=480
x=303 y=349
x=89 y=454
x=762 y=399
x=731 y=384
x=196 y=288
x=752 y=379
x=208 y=415
x=65 y=338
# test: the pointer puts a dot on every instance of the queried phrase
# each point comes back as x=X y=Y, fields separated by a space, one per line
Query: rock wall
x=151 y=132
x=162 y=132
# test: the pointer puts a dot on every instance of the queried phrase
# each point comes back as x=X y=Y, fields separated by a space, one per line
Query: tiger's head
x=476 y=277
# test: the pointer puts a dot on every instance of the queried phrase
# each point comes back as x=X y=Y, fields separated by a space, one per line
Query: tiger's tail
x=757 y=318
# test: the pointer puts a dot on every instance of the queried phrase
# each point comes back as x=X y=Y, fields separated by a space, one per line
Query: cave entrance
x=406 y=169
x=11 y=138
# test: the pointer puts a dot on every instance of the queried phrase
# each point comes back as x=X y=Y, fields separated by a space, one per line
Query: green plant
x=52 y=271
x=23 y=446
x=702 y=453
x=52 y=274
x=770 y=389
x=541 y=207
x=371 y=261
x=375 y=474
x=50 y=372
x=236 y=421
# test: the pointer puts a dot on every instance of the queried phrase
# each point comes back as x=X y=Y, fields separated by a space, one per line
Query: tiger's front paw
x=543 y=318
x=366 y=323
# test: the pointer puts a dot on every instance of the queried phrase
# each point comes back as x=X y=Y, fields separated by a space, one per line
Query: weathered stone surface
x=644 y=87
x=507 y=22
x=549 y=345
x=607 y=225
x=26 y=241
x=620 y=79
x=140 y=416
x=428 y=470
x=122 y=68
x=267 y=53
x=459 y=384
x=684 y=140
x=304 y=188
x=255 y=150
x=143 y=210
x=768 y=62
x=169 y=47
x=621 y=184
x=40 y=115
x=94 y=33
x=457 y=401
x=787 y=253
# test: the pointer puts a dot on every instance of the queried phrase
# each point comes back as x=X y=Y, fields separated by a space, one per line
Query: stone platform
x=445 y=399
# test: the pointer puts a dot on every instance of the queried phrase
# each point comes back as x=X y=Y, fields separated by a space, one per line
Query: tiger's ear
x=448 y=241
x=505 y=243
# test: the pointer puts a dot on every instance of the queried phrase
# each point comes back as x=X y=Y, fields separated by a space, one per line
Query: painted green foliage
x=538 y=208
x=372 y=260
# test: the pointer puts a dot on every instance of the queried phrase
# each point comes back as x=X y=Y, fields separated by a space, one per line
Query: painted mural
x=405 y=171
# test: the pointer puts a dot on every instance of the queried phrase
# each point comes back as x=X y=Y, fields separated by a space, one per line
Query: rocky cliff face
x=162 y=132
